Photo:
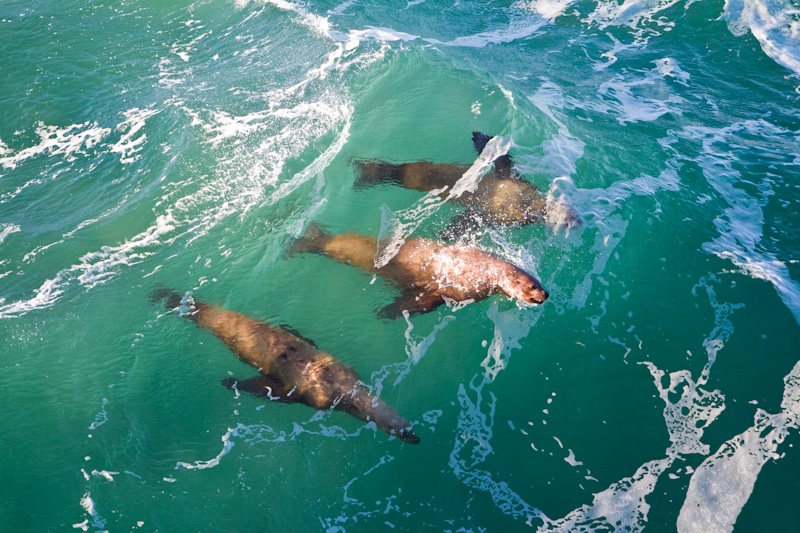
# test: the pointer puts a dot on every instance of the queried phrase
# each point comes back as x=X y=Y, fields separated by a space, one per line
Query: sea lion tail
x=480 y=140
x=503 y=164
x=171 y=297
x=370 y=172
x=311 y=241
x=183 y=305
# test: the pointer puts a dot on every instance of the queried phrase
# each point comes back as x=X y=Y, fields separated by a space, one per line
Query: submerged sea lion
x=291 y=368
x=428 y=272
x=501 y=197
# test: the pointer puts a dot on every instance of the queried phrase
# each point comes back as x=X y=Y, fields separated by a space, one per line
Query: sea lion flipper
x=463 y=223
x=311 y=241
x=502 y=165
x=261 y=386
x=171 y=297
x=480 y=140
x=412 y=301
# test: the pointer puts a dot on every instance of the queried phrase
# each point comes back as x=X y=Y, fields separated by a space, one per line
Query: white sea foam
x=342 y=8
x=68 y=142
x=31 y=256
x=317 y=166
x=669 y=68
x=642 y=16
x=631 y=108
x=227 y=445
x=549 y=9
x=129 y=147
x=695 y=408
x=225 y=126
x=632 y=13
x=416 y=348
x=362 y=509
x=525 y=19
x=43 y=297
x=97 y=521
x=623 y=505
x=474 y=436
x=6 y=230
x=570 y=458
x=97 y=267
x=252 y=177
x=238 y=191
x=723 y=483
x=101 y=417
x=387 y=35
x=523 y=24
x=775 y=23
x=105 y=474
x=740 y=225
x=472 y=445
x=316 y=22
x=562 y=150
x=94 y=268
x=295 y=117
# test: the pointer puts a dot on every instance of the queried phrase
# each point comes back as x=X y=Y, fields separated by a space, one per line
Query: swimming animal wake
x=292 y=370
x=429 y=272
x=501 y=197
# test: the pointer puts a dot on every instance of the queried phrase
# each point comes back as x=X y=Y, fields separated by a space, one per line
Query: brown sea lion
x=501 y=197
x=428 y=272
x=291 y=368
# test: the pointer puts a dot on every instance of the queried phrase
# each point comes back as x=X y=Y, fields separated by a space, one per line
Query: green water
x=147 y=145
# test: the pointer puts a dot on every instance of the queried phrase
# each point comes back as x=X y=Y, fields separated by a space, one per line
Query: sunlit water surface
x=184 y=145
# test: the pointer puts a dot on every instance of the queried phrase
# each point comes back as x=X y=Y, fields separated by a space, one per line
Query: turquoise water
x=185 y=145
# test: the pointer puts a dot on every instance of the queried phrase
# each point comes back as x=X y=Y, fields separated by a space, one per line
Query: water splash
x=775 y=23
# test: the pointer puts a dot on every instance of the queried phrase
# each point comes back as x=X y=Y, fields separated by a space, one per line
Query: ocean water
x=186 y=144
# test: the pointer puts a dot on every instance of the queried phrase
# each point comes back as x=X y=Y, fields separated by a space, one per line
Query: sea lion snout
x=539 y=296
x=408 y=436
x=535 y=295
x=527 y=289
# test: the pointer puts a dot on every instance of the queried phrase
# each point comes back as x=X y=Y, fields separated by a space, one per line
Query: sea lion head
x=406 y=435
x=524 y=287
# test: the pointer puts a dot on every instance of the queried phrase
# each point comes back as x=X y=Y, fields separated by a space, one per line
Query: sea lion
x=428 y=272
x=292 y=370
x=501 y=197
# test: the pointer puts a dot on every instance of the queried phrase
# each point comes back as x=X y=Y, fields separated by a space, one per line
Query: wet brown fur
x=293 y=370
x=429 y=271
x=501 y=197
x=501 y=200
